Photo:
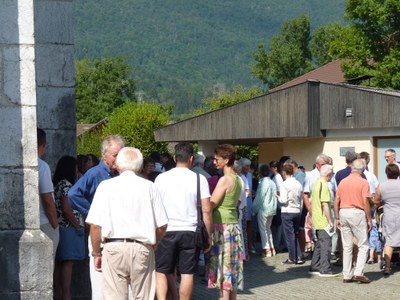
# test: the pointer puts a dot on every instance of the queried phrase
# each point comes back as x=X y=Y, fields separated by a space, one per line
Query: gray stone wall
x=36 y=88
x=55 y=92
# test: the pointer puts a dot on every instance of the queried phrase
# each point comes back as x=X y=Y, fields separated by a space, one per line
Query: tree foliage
x=289 y=55
x=179 y=49
x=101 y=86
x=371 y=44
x=321 y=41
x=225 y=98
x=136 y=123
x=90 y=143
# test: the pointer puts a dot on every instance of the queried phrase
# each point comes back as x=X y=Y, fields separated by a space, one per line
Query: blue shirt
x=81 y=194
x=300 y=177
x=342 y=174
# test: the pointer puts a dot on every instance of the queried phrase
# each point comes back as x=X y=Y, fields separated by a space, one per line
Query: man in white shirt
x=48 y=214
x=127 y=215
x=178 y=192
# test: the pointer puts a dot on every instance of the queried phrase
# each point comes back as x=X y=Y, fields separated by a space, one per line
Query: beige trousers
x=127 y=264
x=354 y=226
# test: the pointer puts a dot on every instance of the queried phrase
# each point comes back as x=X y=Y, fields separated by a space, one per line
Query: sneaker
x=288 y=262
x=300 y=261
x=252 y=250
x=328 y=274
x=361 y=279
x=313 y=272
x=370 y=261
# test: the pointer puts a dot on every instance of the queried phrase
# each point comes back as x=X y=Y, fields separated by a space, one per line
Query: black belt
x=122 y=241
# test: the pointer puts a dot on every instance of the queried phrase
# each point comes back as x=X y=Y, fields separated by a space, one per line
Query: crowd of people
x=141 y=216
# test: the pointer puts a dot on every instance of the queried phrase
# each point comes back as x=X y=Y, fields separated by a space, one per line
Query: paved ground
x=267 y=278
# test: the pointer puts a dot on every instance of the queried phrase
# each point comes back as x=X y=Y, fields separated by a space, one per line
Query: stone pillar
x=55 y=92
x=36 y=89
x=26 y=270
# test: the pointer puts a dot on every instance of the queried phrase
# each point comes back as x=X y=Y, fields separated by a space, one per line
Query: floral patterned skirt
x=226 y=258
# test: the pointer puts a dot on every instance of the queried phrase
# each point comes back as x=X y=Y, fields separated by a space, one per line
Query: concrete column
x=207 y=147
x=25 y=267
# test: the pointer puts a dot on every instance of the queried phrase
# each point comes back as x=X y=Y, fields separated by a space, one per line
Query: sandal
x=266 y=253
x=387 y=271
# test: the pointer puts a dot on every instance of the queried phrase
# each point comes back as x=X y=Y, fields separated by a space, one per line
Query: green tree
x=321 y=41
x=90 y=143
x=289 y=55
x=101 y=86
x=371 y=44
x=225 y=98
x=136 y=123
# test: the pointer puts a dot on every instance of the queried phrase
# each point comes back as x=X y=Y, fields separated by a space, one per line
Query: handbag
x=201 y=234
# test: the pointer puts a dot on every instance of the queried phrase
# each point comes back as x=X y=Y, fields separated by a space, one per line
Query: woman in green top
x=226 y=258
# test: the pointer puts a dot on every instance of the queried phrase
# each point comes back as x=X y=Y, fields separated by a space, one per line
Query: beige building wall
x=332 y=148
x=304 y=151
x=269 y=151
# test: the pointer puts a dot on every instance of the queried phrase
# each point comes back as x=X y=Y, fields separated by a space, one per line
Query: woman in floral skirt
x=226 y=261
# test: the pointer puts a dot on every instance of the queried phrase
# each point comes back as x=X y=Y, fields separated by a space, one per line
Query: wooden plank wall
x=369 y=109
x=285 y=113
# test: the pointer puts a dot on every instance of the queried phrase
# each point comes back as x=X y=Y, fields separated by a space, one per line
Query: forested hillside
x=182 y=49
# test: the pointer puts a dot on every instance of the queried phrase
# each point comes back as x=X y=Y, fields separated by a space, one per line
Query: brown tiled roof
x=331 y=73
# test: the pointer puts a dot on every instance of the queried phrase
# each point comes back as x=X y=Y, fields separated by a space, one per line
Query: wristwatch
x=96 y=254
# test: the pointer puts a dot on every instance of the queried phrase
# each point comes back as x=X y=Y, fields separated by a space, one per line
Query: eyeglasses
x=388 y=156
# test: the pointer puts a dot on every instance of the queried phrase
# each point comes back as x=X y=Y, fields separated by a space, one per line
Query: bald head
x=358 y=166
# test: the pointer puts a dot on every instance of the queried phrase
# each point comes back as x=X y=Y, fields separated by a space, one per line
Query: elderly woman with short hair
x=388 y=195
x=264 y=206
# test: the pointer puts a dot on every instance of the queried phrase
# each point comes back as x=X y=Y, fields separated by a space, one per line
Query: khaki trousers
x=125 y=264
x=354 y=226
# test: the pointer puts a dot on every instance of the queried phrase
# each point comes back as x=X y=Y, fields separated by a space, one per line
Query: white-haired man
x=390 y=156
x=322 y=222
x=353 y=218
x=128 y=216
x=82 y=192
x=198 y=165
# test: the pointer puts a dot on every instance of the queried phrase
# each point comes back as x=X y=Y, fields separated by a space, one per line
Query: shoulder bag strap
x=199 y=213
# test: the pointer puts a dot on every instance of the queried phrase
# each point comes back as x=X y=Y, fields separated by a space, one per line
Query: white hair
x=129 y=159
x=358 y=166
x=237 y=166
x=198 y=159
x=326 y=170
x=245 y=161
x=105 y=145
x=323 y=157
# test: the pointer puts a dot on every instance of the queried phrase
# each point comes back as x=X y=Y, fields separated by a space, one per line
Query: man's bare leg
x=161 y=286
x=186 y=286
